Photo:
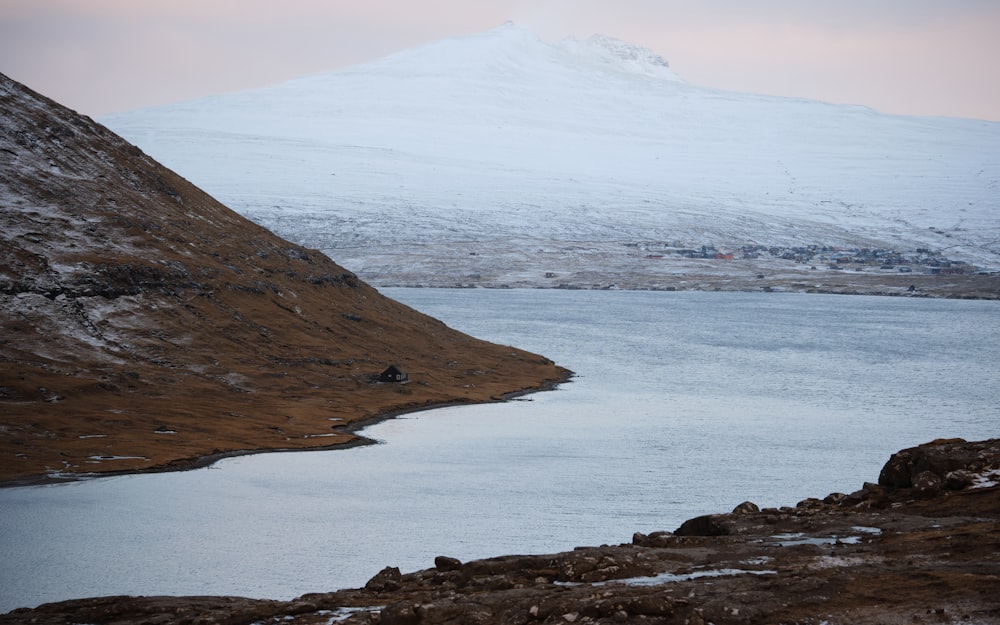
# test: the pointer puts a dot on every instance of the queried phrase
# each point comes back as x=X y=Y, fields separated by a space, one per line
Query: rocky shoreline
x=919 y=546
x=977 y=287
x=614 y=265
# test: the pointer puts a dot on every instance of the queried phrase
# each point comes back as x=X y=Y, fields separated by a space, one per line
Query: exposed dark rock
x=927 y=484
x=708 y=525
x=444 y=563
x=834 y=498
x=385 y=580
x=747 y=507
x=401 y=613
x=938 y=457
x=959 y=479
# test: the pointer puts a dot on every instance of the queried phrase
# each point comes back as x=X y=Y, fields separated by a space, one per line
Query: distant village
x=921 y=260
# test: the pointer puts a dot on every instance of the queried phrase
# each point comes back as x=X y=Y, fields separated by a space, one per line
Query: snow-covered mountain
x=502 y=158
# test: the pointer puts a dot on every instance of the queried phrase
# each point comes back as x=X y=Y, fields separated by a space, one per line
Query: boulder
x=939 y=457
x=855 y=499
x=928 y=484
x=400 y=613
x=747 y=507
x=957 y=480
x=834 y=498
x=386 y=580
x=707 y=525
x=444 y=563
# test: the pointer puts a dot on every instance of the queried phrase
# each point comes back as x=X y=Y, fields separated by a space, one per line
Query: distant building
x=394 y=374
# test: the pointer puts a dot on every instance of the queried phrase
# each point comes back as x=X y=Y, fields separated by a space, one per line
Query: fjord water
x=683 y=404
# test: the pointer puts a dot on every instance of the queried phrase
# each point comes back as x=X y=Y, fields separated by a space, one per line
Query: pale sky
x=922 y=57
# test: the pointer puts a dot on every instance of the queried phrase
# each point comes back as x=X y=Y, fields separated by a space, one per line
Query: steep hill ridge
x=144 y=325
x=498 y=159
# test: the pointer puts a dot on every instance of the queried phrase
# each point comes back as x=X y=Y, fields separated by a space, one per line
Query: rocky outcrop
x=927 y=468
x=708 y=525
x=878 y=555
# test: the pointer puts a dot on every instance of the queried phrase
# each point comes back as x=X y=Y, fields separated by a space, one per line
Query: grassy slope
x=130 y=300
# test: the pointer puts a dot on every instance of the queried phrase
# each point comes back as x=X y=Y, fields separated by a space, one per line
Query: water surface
x=683 y=404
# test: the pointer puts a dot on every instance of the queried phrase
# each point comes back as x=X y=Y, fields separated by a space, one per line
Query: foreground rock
x=891 y=552
x=143 y=325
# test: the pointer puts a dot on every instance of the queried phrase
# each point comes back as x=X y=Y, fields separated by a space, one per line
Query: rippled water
x=683 y=404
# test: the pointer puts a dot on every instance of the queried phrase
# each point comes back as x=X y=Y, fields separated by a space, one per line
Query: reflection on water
x=684 y=404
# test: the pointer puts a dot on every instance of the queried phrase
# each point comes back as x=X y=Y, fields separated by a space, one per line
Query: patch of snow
x=58 y=318
x=986 y=479
x=798 y=538
x=342 y=614
x=665 y=578
x=829 y=562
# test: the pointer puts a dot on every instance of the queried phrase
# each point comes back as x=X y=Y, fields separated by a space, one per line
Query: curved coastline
x=352 y=429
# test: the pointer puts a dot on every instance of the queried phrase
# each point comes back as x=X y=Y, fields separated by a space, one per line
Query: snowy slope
x=510 y=147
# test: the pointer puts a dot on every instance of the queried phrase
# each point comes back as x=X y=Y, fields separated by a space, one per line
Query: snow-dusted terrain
x=498 y=158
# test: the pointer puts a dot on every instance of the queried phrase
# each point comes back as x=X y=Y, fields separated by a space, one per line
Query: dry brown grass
x=131 y=301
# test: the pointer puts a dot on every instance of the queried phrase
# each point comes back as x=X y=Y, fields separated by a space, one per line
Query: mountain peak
x=624 y=56
x=611 y=52
x=514 y=48
x=510 y=27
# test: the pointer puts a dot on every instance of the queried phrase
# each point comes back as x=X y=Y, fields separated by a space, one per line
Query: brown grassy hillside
x=142 y=323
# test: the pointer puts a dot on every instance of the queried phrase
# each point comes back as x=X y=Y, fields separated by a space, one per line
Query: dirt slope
x=143 y=324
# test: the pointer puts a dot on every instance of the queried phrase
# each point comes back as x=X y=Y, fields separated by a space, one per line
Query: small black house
x=394 y=374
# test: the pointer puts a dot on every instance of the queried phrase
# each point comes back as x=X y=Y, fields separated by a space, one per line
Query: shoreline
x=917 y=546
x=953 y=287
x=353 y=428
